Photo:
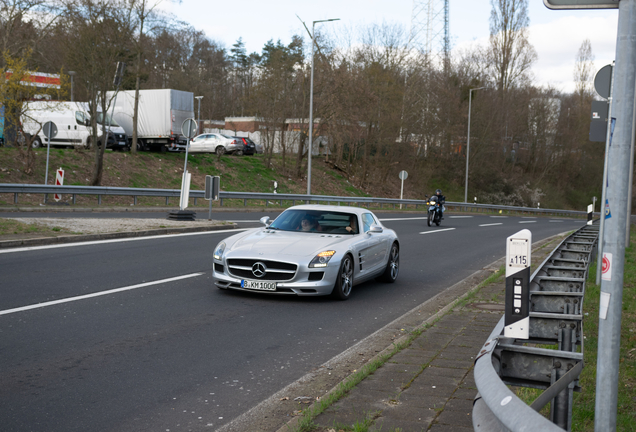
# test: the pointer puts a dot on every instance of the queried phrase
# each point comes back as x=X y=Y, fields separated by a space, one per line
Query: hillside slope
x=164 y=171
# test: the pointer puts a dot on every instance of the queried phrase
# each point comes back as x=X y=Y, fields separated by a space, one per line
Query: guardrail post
x=245 y=202
x=15 y=198
x=134 y=200
x=221 y=202
x=195 y=201
x=73 y=199
x=99 y=200
x=167 y=199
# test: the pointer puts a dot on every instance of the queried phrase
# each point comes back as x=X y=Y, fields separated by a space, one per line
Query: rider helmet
x=438 y=192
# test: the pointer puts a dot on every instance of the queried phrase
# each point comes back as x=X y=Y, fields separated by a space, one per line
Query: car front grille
x=272 y=270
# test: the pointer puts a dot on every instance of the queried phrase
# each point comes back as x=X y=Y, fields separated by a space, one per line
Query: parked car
x=249 y=146
x=215 y=143
x=309 y=250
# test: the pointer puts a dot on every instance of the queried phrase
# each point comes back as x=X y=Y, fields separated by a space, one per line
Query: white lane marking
x=500 y=217
x=528 y=217
x=460 y=217
x=97 y=294
x=527 y=221
x=95 y=242
x=399 y=219
x=556 y=221
x=435 y=231
x=483 y=225
x=242 y=220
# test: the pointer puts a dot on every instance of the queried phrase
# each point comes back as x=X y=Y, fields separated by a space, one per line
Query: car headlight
x=321 y=259
x=218 y=252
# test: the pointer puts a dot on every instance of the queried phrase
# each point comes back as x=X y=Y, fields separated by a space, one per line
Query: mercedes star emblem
x=259 y=269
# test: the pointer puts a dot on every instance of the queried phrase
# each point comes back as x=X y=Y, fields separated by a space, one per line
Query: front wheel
x=392 y=266
x=344 y=282
x=37 y=142
x=431 y=215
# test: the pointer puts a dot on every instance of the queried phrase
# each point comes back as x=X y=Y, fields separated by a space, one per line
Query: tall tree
x=511 y=53
x=102 y=34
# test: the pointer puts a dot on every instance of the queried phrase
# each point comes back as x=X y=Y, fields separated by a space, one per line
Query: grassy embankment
x=164 y=171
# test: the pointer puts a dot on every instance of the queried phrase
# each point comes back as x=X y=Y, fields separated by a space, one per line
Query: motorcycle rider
x=441 y=199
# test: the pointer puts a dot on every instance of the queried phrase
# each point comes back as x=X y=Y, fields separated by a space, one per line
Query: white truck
x=160 y=116
x=73 y=124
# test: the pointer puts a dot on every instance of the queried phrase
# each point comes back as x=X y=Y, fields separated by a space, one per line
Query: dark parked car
x=249 y=147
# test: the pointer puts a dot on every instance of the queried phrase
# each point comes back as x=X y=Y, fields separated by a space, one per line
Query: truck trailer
x=160 y=116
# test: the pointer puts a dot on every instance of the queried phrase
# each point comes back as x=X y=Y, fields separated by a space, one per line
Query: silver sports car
x=309 y=250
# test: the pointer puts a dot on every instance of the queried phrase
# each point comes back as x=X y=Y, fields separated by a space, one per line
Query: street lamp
x=470 y=98
x=72 y=74
x=311 y=103
x=199 y=114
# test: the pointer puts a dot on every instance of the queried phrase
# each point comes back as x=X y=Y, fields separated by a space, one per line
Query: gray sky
x=555 y=35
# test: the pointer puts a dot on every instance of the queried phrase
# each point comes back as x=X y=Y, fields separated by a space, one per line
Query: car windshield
x=100 y=119
x=317 y=221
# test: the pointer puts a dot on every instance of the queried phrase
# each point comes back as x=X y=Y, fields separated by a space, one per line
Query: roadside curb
x=45 y=241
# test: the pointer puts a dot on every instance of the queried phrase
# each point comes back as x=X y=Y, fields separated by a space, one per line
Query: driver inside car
x=308 y=223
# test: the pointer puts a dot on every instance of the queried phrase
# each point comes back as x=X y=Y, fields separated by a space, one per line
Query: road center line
x=97 y=242
x=527 y=221
x=493 y=224
x=98 y=294
x=435 y=231
x=460 y=217
x=399 y=219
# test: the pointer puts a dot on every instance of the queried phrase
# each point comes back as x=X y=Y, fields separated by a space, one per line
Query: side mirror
x=266 y=221
x=375 y=229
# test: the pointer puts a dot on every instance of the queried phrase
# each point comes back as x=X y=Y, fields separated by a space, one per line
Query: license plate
x=265 y=286
x=122 y=143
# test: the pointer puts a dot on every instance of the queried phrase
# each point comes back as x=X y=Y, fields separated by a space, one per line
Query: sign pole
x=609 y=330
x=599 y=250
x=403 y=175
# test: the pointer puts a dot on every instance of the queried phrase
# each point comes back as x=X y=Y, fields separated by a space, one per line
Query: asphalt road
x=143 y=352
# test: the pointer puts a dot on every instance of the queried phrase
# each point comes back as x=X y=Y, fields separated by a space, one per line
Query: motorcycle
x=434 y=211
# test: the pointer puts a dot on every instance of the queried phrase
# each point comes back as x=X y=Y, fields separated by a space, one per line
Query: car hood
x=274 y=243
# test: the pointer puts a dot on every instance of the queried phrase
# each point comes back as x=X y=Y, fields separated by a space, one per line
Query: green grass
x=584 y=402
x=9 y=226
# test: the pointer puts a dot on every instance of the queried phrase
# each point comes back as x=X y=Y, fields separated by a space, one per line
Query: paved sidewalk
x=428 y=386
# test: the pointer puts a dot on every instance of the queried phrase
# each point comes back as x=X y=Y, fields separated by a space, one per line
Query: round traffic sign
x=603 y=81
x=49 y=129
x=189 y=128
x=403 y=175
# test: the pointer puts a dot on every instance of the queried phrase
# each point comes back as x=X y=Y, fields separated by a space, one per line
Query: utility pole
x=614 y=239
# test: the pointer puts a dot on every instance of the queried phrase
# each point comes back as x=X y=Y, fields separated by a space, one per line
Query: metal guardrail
x=269 y=198
x=557 y=289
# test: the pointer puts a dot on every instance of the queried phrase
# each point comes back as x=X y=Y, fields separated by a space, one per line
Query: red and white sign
x=38 y=79
x=607 y=267
x=59 y=181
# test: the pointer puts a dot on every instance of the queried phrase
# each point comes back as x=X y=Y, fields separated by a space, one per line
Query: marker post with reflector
x=517 y=317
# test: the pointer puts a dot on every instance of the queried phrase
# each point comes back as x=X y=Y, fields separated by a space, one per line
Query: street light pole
x=470 y=99
x=199 y=114
x=311 y=103
x=72 y=74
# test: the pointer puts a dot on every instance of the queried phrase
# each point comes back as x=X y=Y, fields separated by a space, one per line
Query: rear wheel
x=220 y=150
x=392 y=266
x=239 y=152
x=344 y=282
x=37 y=142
